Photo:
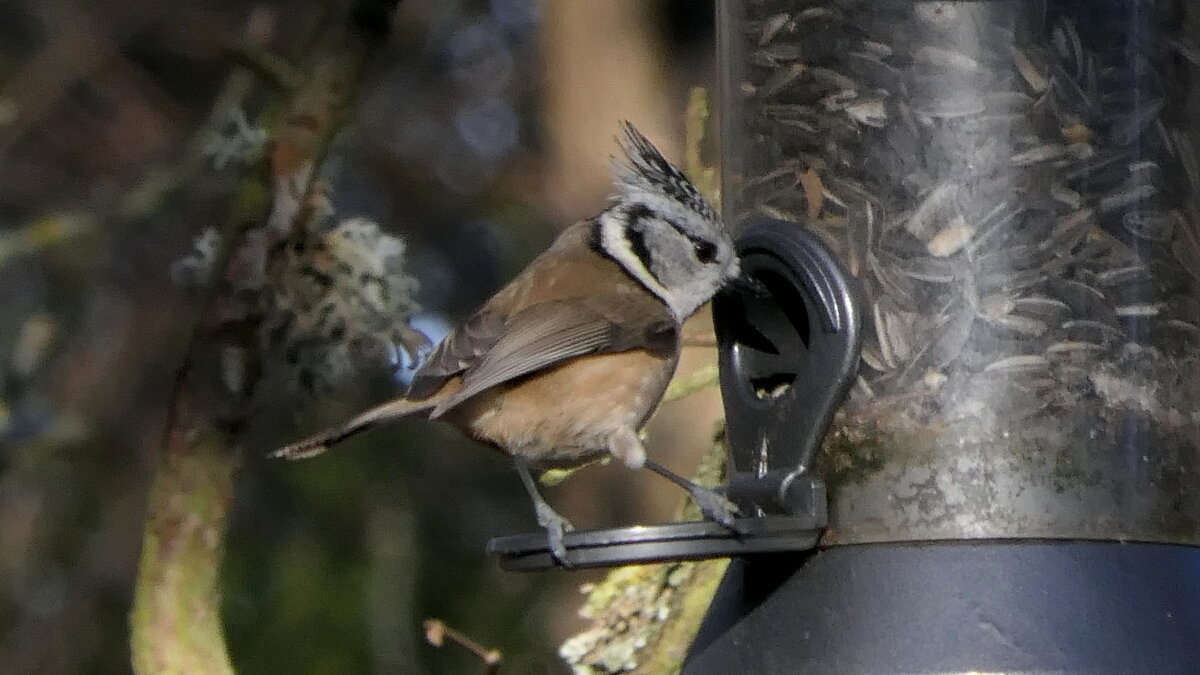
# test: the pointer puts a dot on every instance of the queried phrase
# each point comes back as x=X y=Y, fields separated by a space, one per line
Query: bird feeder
x=1013 y=188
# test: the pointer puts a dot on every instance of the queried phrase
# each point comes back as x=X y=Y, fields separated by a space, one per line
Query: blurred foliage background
x=484 y=128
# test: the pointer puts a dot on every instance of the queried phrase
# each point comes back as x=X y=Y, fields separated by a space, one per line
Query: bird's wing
x=550 y=332
x=457 y=352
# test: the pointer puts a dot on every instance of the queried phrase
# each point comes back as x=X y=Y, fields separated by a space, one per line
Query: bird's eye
x=706 y=252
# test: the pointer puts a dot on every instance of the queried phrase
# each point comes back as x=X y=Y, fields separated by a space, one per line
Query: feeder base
x=1003 y=606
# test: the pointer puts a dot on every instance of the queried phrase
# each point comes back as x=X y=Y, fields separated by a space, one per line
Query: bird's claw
x=717 y=508
x=556 y=526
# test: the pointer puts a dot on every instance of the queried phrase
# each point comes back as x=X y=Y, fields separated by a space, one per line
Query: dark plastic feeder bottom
x=1013 y=607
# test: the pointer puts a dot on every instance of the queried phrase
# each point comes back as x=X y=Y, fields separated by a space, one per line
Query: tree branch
x=175 y=622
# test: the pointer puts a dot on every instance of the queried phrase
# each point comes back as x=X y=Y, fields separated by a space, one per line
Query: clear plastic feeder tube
x=1016 y=186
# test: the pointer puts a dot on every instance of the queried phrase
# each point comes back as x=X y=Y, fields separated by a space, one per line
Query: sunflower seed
x=1009 y=190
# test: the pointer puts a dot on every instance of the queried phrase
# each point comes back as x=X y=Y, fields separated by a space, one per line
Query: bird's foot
x=716 y=508
x=556 y=526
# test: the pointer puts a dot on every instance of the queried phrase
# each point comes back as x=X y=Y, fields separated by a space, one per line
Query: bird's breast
x=568 y=414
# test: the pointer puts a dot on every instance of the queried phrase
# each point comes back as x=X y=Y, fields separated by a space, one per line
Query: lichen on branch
x=175 y=622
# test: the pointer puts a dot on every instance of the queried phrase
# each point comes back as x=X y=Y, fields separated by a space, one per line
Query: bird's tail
x=321 y=441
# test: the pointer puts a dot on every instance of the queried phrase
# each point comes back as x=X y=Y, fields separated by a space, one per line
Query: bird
x=566 y=363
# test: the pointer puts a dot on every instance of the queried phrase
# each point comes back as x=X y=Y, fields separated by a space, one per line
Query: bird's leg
x=712 y=505
x=554 y=524
x=626 y=446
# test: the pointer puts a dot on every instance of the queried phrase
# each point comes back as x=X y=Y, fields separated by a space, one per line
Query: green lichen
x=643 y=618
x=851 y=456
x=175 y=625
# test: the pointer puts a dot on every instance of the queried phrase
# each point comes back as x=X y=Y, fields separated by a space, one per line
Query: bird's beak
x=744 y=283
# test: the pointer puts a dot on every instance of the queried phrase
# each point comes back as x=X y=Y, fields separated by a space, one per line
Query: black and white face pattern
x=663 y=232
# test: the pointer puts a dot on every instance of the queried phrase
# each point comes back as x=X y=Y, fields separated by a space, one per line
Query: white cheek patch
x=617 y=245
